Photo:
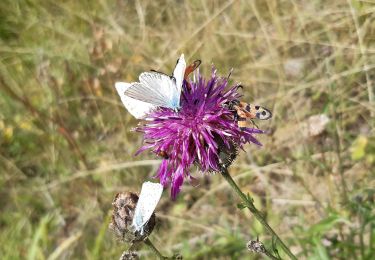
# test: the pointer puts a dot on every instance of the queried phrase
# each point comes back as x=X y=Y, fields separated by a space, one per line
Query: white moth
x=154 y=89
x=148 y=199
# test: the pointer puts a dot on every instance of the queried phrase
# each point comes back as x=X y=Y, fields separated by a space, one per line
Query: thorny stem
x=154 y=249
x=250 y=205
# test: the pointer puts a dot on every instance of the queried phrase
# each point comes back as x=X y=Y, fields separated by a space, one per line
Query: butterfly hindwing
x=262 y=113
x=147 y=202
x=137 y=108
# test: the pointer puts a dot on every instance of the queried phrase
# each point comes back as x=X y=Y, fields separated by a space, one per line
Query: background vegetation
x=67 y=147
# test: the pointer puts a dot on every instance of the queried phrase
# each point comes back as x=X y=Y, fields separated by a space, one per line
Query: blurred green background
x=67 y=146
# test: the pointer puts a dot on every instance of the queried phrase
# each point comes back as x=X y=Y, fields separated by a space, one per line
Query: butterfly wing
x=189 y=69
x=179 y=73
x=158 y=88
x=154 y=88
x=148 y=199
x=137 y=108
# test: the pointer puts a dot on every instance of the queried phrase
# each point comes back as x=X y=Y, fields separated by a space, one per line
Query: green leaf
x=241 y=206
x=326 y=224
x=321 y=252
x=99 y=240
x=249 y=198
x=35 y=250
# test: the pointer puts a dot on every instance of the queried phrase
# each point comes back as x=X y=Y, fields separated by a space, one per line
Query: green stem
x=250 y=205
x=271 y=255
x=154 y=249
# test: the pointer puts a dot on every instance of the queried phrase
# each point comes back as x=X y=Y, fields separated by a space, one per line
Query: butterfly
x=148 y=199
x=154 y=89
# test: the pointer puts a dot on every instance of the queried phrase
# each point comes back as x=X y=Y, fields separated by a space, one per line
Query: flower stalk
x=154 y=249
x=258 y=215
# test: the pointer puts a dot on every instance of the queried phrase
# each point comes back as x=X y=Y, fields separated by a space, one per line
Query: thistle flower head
x=202 y=132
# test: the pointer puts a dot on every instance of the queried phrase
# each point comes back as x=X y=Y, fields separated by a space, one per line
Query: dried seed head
x=256 y=246
x=129 y=256
x=122 y=218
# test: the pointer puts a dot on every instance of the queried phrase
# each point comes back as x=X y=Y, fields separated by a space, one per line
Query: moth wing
x=189 y=69
x=147 y=202
x=179 y=73
x=263 y=113
x=137 y=108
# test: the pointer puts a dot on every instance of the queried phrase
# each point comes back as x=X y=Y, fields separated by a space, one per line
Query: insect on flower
x=155 y=89
x=189 y=69
x=148 y=199
x=198 y=129
x=243 y=111
x=133 y=217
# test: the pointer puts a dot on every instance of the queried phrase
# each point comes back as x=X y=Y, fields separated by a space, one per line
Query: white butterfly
x=153 y=90
x=148 y=199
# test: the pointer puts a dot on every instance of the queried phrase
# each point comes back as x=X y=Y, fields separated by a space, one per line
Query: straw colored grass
x=67 y=147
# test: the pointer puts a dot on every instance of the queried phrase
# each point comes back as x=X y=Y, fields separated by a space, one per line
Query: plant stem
x=258 y=215
x=267 y=253
x=154 y=249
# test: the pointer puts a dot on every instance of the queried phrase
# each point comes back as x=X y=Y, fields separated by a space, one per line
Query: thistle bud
x=227 y=153
x=124 y=205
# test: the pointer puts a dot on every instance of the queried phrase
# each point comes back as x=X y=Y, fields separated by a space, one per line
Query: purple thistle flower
x=203 y=132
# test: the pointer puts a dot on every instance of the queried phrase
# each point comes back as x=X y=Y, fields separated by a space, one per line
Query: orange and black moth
x=245 y=112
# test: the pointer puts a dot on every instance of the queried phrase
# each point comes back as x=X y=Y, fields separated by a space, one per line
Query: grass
x=67 y=149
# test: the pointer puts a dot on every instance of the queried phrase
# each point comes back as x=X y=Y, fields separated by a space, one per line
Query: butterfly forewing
x=149 y=93
x=179 y=72
x=159 y=89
